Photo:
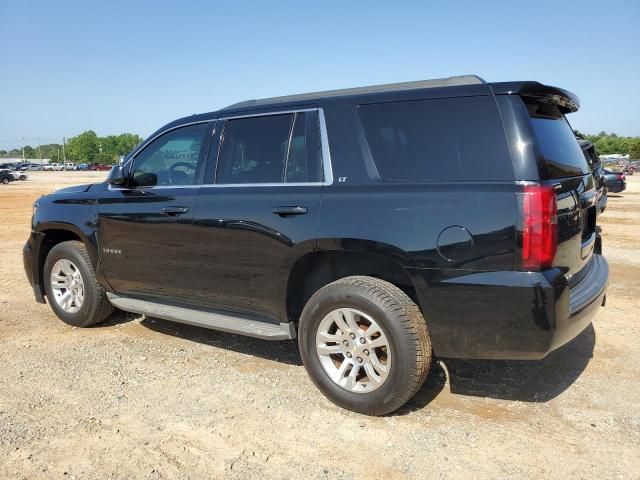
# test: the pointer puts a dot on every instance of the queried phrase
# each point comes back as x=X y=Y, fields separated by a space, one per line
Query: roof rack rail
x=388 y=87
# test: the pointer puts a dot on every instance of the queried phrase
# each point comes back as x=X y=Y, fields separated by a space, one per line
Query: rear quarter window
x=438 y=140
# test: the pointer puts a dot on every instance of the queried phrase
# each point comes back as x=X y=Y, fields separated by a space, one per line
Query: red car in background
x=99 y=167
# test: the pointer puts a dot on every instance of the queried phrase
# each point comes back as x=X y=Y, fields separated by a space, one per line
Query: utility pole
x=39 y=151
x=23 y=157
x=64 y=155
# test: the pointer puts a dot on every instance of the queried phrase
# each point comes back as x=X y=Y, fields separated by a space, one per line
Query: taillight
x=621 y=176
x=539 y=227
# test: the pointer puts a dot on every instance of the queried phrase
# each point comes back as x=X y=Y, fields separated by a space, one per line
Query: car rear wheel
x=70 y=283
x=5 y=181
x=364 y=344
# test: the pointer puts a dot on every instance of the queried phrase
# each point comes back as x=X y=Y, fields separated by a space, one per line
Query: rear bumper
x=509 y=315
x=616 y=186
x=584 y=300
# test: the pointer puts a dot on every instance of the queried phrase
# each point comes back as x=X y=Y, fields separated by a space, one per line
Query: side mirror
x=116 y=177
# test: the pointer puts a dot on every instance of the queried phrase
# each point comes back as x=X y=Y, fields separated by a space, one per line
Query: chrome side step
x=224 y=321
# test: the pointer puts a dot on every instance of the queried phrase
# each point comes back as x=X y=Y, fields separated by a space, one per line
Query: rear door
x=259 y=213
x=145 y=230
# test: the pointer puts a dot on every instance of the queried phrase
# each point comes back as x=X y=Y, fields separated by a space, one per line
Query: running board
x=224 y=321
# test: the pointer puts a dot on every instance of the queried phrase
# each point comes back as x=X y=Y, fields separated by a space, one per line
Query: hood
x=75 y=188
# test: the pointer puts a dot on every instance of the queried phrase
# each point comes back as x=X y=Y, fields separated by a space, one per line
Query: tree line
x=607 y=143
x=86 y=147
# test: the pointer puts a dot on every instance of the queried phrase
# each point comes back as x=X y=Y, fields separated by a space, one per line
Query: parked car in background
x=69 y=166
x=7 y=166
x=597 y=170
x=376 y=225
x=99 y=167
x=6 y=176
x=48 y=167
x=33 y=167
x=616 y=181
x=82 y=166
x=17 y=175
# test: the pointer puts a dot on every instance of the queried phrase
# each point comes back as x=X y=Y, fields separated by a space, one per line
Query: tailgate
x=577 y=205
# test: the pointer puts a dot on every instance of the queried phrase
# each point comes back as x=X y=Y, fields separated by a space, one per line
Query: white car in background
x=16 y=174
x=70 y=166
x=22 y=176
x=49 y=167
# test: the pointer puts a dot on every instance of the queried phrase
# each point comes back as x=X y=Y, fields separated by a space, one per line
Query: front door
x=145 y=230
x=260 y=214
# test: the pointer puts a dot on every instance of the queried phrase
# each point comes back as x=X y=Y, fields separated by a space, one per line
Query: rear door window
x=438 y=140
x=277 y=148
x=304 y=163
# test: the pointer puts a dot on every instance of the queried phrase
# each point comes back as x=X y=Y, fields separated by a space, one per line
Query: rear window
x=439 y=139
x=560 y=154
x=589 y=153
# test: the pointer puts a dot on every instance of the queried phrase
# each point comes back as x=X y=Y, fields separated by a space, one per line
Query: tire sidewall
x=379 y=401
x=67 y=252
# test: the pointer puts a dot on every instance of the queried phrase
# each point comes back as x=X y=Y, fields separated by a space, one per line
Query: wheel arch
x=54 y=233
x=316 y=269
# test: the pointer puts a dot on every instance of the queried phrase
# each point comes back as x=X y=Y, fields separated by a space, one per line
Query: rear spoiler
x=566 y=101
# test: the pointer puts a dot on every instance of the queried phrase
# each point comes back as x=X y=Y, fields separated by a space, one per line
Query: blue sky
x=131 y=66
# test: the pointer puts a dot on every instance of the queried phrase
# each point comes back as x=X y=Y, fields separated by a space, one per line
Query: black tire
x=402 y=323
x=96 y=306
x=5 y=181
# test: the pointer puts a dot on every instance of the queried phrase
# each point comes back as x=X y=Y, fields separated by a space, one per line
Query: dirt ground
x=145 y=398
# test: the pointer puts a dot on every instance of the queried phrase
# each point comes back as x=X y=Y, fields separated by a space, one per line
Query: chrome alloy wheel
x=353 y=350
x=67 y=286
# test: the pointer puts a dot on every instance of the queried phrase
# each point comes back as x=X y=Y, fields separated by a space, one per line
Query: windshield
x=561 y=155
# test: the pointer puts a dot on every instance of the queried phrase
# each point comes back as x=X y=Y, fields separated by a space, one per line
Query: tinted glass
x=441 y=139
x=304 y=163
x=254 y=149
x=560 y=153
x=172 y=159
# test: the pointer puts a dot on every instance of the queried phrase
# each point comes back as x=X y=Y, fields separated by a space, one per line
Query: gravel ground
x=145 y=398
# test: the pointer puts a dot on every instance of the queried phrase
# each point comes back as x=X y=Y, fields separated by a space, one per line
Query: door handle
x=172 y=211
x=289 y=211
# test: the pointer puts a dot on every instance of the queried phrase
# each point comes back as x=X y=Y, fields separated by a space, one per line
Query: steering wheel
x=173 y=167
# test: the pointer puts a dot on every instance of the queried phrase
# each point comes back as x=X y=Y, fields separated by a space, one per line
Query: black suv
x=597 y=170
x=378 y=225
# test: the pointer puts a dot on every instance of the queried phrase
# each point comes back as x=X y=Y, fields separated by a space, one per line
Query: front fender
x=86 y=235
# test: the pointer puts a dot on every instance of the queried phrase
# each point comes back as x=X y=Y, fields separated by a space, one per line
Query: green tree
x=634 y=149
x=29 y=152
x=84 y=147
x=127 y=142
x=103 y=157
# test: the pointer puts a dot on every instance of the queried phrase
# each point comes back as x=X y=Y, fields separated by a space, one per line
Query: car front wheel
x=72 y=290
x=364 y=344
